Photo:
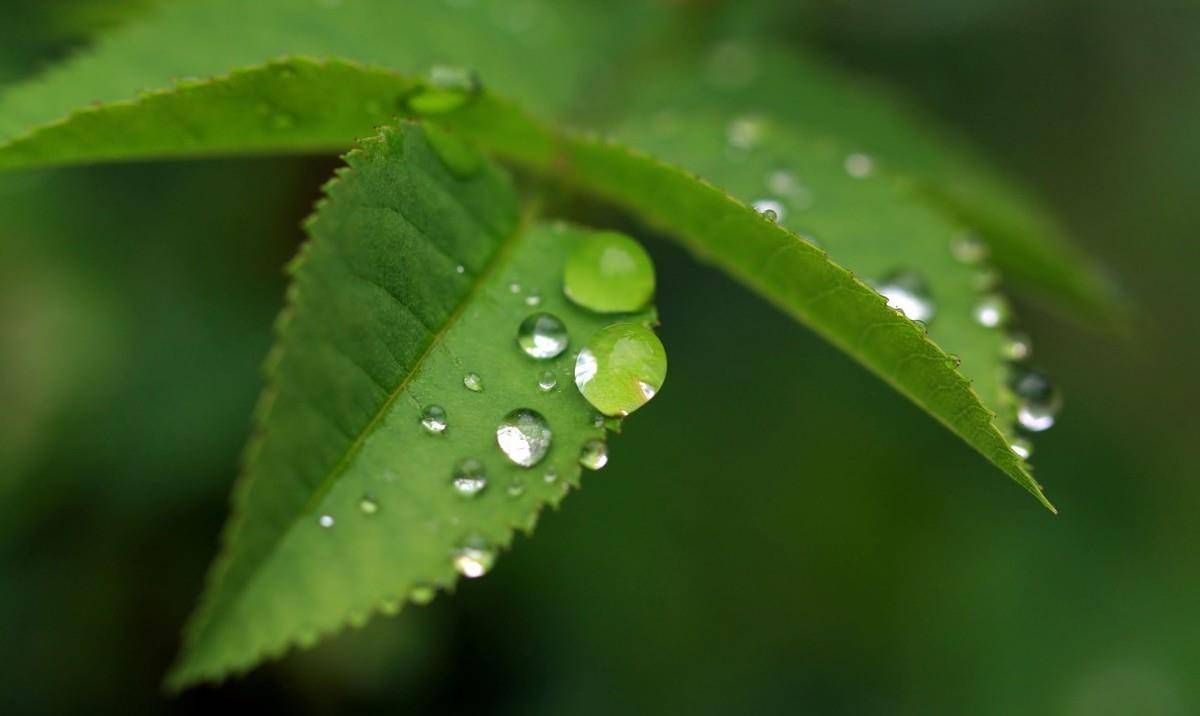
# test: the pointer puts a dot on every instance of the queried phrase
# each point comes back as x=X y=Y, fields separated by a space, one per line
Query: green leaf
x=380 y=324
x=861 y=216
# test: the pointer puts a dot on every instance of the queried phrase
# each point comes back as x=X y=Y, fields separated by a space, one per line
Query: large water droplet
x=1039 y=400
x=858 y=165
x=907 y=292
x=433 y=419
x=469 y=478
x=609 y=273
x=991 y=311
x=594 y=454
x=473 y=382
x=474 y=560
x=542 y=336
x=621 y=368
x=770 y=209
x=524 y=437
x=444 y=90
x=368 y=505
x=547 y=381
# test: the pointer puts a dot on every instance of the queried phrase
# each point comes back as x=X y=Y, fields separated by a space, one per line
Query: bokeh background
x=777 y=532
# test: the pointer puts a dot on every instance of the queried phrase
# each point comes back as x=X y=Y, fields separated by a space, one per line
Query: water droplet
x=445 y=89
x=858 y=165
x=547 y=381
x=1022 y=447
x=325 y=521
x=524 y=437
x=514 y=287
x=433 y=419
x=907 y=292
x=542 y=336
x=770 y=209
x=368 y=505
x=1039 y=400
x=460 y=269
x=516 y=488
x=619 y=366
x=469 y=478
x=550 y=476
x=597 y=421
x=991 y=311
x=422 y=594
x=609 y=272
x=1018 y=347
x=474 y=560
x=746 y=132
x=473 y=382
x=594 y=454
x=968 y=248
x=533 y=299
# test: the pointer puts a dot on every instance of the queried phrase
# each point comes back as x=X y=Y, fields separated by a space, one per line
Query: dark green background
x=776 y=533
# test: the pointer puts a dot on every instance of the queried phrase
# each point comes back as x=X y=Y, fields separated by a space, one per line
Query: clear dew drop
x=1038 y=400
x=325 y=521
x=594 y=454
x=474 y=560
x=533 y=299
x=991 y=311
x=620 y=365
x=1022 y=447
x=433 y=419
x=858 y=165
x=542 y=336
x=524 y=437
x=770 y=209
x=473 y=382
x=907 y=292
x=422 y=594
x=469 y=478
x=445 y=89
x=746 y=132
x=460 y=269
x=968 y=248
x=514 y=288
x=516 y=488
x=550 y=477
x=547 y=381
x=368 y=505
x=1018 y=347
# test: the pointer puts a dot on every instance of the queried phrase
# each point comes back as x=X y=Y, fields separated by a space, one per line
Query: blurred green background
x=777 y=532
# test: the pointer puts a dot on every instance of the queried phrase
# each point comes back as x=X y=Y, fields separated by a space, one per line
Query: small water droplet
x=550 y=476
x=368 y=505
x=770 y=209
x=1039 y=400
x=533 y=299
x=542 y=336
x=968 y=248
x=907 y=292
x=514 y=287
x=474 y=560
x=445 y=89
x=433 y=419
x=422 y=594
x=1022 y=447
x=858 y=165
x=597 y=421
x=524 y=437
x=594 y=454
x=746 y=132
x=516 y=488
x=608 y=272
x=473 y=382
x=325 y=521
x=460 y=269
x=615 y=365
x=991 y=311
x=469 y=477
x=547 y=381
x=1018 y=347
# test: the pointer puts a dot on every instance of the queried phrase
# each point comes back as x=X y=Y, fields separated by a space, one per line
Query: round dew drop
x=858 y=165
x=621 y=368
x=1039 y=400
x=542 y=336
x=433 y=419
x=907 y=292
x=368 y=505
x=524 y=437
x=1022 y=447
x=770 y=209
x=473 y=382
x=474 y=560
x=609 y=273
x=469 y=478
x=594 y=454
x=547 y=381
x=325 y=521
x=991 y=311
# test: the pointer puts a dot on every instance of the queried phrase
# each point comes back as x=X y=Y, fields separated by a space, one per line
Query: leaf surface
x=380 y=324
